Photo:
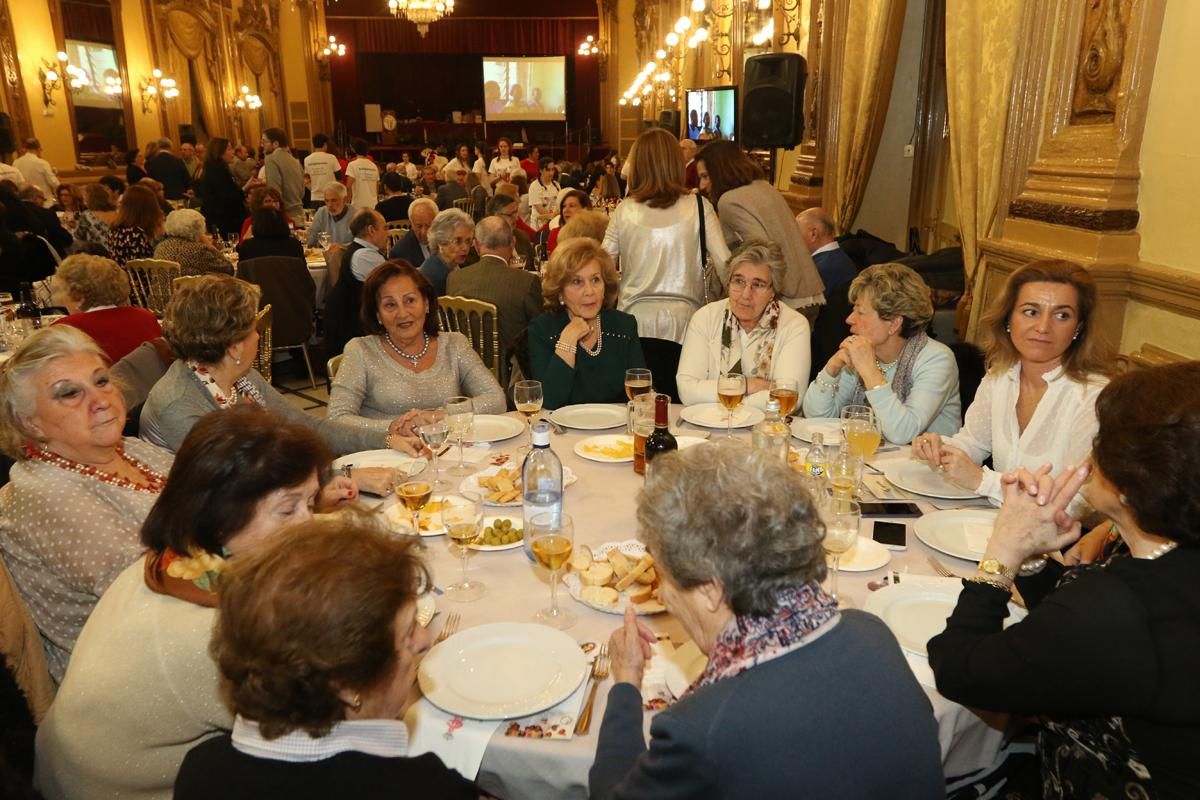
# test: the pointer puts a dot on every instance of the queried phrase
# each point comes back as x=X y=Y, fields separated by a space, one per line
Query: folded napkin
x=655 y=694
x=458 y=741
x=557 y=722
x=472 y=453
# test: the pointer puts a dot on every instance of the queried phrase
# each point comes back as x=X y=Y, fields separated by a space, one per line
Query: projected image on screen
x=98 y=62
x=525 y=88
x=710 y=114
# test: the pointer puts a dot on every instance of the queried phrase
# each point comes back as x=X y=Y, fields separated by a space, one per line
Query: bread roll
x=597 y=574
x=648 y=577
x=639 y=593
x=620 y=562
x=643 y=564
x=581 y=558
x=600 y=596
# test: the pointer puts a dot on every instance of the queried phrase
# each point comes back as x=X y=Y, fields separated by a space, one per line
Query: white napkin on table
x=458 y=741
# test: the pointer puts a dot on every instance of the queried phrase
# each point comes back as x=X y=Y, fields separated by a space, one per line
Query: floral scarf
x=242 y=388
x=800 y=613
x=760 y=342
x=192 y=579
x=902 y=378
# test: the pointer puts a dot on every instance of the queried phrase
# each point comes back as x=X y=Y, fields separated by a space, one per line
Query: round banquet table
x=602 y=506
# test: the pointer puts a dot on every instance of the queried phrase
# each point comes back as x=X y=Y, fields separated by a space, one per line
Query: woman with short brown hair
x=138 y=225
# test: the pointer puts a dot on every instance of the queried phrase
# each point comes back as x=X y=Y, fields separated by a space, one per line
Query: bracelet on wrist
x=879 y=385
x=1033 y=566
x=566 y=349
x=988 y=580
x=825 y=381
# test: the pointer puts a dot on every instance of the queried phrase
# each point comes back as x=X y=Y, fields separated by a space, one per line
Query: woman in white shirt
x=889 y=362
x=750 y=332
x=504 y=166
x=481 y=166
x=543 y=195
x=655 y=234
x=1047 y=363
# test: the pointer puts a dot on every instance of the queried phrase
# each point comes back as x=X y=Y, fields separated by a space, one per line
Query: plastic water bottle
x=771 y=435
x=816 y=461
x=541 y=482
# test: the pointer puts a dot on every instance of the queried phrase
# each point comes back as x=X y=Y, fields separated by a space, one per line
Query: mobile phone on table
x=892 y=535
x=890 y=510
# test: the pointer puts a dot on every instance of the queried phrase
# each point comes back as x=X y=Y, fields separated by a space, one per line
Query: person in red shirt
x=530 y=164
x=96 y=293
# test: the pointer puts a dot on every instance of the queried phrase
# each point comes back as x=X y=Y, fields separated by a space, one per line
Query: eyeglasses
x=738 y=284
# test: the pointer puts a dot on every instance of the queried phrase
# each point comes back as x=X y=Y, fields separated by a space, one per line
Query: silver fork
x=599 y=673
x=449 y=627
x=942 y=569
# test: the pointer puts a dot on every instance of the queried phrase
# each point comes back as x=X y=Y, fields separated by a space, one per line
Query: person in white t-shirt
x=461 y=160
x=504 y=166
x=543 y=195
x=321 y=167
x=362 y=177
x=481 y=165
x=407 y=168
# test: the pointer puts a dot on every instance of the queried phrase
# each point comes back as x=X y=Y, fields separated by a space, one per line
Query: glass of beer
x=638 y=381
x=552 y=537
x=787 y=392
x=860 y=430
x=731 y=390
x=462 y=518
x=641 y=424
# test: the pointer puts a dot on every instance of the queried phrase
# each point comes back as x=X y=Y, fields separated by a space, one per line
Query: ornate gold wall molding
x=16 y=103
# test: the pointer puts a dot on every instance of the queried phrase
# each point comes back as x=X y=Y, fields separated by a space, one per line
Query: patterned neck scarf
x=800 y=612
x=242 y=388
x=902 y=378
x=760 y=342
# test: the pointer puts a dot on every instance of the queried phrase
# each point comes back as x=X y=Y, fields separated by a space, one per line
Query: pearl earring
x=237 y=361
x=356 y=703
x=1008 y=328
x=1076 y=336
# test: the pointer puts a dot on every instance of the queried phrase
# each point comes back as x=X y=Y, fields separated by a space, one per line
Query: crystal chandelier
x=421 y=12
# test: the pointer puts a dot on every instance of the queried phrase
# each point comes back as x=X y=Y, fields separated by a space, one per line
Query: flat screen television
x=525 y=88
x=711 y=114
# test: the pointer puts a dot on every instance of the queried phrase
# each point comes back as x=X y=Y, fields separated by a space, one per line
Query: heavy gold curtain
x=189 y=34
x=861 y=94
x=981 y=52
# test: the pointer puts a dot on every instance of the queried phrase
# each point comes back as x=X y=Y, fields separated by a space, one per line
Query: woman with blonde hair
x=580 y=348
x=888 y=361
x=1047 y=363
x=95 y=292
x=666 y=241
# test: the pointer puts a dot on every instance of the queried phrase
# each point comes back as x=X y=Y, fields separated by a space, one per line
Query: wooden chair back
x=479 y=322
x=262 y=359
x=153 y=282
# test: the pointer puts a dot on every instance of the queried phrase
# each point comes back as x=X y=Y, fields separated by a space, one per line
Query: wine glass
x=460 y=414
x=415 y=496
x=731 y=390
x=324 y=240
x=860 y=430
x=552 y=536
x=787 y=392
x=434 y=433
x=462 y=518
x=841 y=534
x=527 y=395
x=638 y=381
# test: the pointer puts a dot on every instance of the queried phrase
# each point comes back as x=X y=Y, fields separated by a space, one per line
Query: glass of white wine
x=527 y=396
x=841 y=534
x=462 y=518
x=731 y=390
x=860 y=430
x=552 y=537
x=415 y=496
x=434 y=433
x=460 y=414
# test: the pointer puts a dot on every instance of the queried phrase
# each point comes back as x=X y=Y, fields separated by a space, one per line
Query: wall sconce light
x=325 y=53
x=156 y=87
x=112 y=86
x=248 y=102
x=591 y=46
x=50 y=77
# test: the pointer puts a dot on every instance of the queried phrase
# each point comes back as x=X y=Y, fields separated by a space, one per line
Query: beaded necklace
x=414 y=359
x=599 y=341
x=154 y=480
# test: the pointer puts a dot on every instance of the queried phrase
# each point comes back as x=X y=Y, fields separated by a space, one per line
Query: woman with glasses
x=751 y=332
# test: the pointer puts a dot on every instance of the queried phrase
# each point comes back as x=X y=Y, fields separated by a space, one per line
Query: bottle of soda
x=816 y=461
x=661 y=440
x=541 y=482
x=771 y=435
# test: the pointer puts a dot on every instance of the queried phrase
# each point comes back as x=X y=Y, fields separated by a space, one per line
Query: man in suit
x=414 y=247
x=516 y=294
x=168 y=169
x=455 y=187
x=834 y=266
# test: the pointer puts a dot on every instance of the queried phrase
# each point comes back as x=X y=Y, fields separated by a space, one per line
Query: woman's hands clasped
x=1033 y=518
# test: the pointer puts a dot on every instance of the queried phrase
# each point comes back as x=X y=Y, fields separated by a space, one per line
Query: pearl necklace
x=154 y=480
x=599 y=341
x=414 y=359
x=1160 y=551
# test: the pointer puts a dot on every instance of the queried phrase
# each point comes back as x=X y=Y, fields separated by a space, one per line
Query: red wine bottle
x=661 y=440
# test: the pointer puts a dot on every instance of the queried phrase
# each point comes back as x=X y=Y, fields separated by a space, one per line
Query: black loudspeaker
x=669 y=120
x=187 y=133
x=773 y=108
x=7 y=143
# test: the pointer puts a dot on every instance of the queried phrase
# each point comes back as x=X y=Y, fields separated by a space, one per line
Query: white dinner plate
x=382 y=458
x=471 y=484
x=426 y=608
x=495 y=428
x=917 y=477
x=866 y=555
x=916 y=611
x=517 y=523
x=803 y=429
x=608 y=449
x=685 y=442
x=400 y=518
x=713 y=415
x=632 y=548
x=591 y=416
x=502 y=670
x=958 y=532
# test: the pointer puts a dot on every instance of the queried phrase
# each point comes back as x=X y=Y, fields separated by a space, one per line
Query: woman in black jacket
x=222 y=201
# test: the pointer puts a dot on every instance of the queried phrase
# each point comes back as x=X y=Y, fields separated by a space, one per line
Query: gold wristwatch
x=992 y=566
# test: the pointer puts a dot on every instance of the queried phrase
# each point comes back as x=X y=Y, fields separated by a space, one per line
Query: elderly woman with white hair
x=450 y=238
x=750 y=332
x=333 y=217
x=95 y=292
x=189 y=245
x=796 y=692
x=79 y=492
x=888 y=362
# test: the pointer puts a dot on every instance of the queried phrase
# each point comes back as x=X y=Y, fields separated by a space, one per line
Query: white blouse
x=699 y=363
x=540 y=195
x=1059 y=433
x=509 y=165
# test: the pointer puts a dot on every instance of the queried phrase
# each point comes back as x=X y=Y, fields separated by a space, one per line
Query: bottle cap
x=773 y=405
x=541 y=433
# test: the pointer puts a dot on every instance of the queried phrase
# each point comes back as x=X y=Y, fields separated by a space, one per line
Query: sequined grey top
x=371 y=389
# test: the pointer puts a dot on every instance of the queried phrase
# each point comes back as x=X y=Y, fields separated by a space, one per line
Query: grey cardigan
x=178 y=400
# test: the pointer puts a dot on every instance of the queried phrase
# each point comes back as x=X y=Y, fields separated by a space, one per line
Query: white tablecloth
x=601 y=504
